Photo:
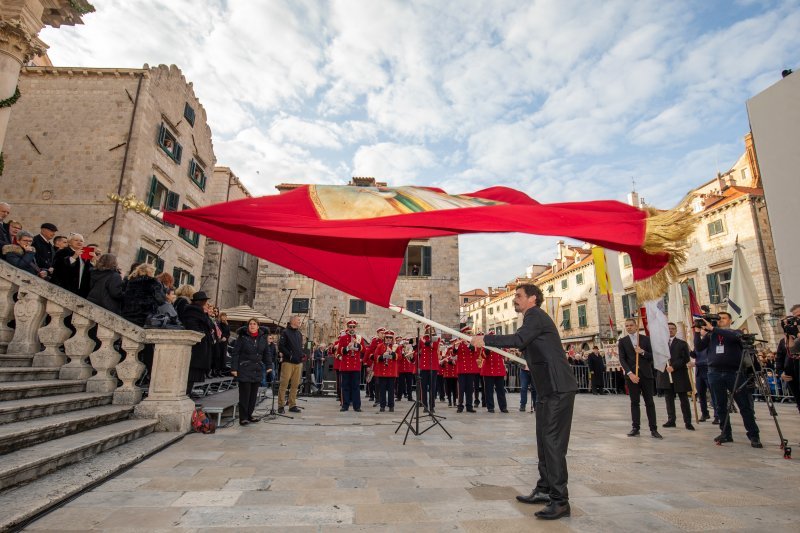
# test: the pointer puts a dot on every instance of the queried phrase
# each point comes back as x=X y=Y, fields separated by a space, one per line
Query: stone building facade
x=729 y=209
x=82 y=133
x=229 y=275
x=428 y=285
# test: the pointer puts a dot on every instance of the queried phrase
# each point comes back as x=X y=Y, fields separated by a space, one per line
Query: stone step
x=19 y=505
x=15 y=390
x=36 y=461
x=30 y=432
x=27 y=408
x=28 y=373
x=14 y=360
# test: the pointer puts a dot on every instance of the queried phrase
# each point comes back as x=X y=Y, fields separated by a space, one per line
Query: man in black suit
x=597 y=366
x=71 y=268
x=556 y=387
x=680 y=384
x=5 y=236
x=636 y=359
x=45 y=251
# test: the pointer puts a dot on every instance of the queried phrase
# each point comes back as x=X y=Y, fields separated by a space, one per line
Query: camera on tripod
x=790 y=325
x=707 y=315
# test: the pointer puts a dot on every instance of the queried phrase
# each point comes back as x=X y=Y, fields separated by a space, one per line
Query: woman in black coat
x=249 y=356
x=143 y=294
x=194 y=317
x=106 y=284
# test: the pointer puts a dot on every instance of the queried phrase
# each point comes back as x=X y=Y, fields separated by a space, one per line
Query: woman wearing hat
x=194 y=317
x=249 y=356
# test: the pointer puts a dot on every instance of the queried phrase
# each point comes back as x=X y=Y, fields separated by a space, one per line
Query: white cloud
x=398 y=164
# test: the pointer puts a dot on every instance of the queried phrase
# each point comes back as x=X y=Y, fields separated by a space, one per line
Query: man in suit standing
x=636 y=359
x=597 y=366
x=5 y=236
x=45 y=251
x=556 y=386
x=679 y=384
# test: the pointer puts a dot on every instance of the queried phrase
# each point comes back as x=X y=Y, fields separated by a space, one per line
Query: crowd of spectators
x=83 y=269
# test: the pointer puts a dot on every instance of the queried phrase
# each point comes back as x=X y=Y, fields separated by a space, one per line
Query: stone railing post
x=166 y=399
x=104 y=359
x=129 y=370
x=53 y=336
x=7 y=291
x=29 y=314
x=78 y=348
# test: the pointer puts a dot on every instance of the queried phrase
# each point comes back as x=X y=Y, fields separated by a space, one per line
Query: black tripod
x=746 y=373
x=411 y=420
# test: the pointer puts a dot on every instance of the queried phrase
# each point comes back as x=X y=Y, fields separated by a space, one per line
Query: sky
x=564 y=100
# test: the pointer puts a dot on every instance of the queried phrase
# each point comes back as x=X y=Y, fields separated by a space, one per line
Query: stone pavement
x=330 y=471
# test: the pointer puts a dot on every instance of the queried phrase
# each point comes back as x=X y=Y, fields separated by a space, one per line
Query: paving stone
x=387 y=513
x=208 y=499
x=699 y=520
x=274 y=516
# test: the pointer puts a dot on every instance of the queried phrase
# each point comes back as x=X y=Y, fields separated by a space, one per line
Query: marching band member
x=428 y=367
x=336 y=364
x=406 y=367
x=385 y=361
x=370 y=372
x=447 y=369
x=468 y=372
x=350 y=349
x=493 y=372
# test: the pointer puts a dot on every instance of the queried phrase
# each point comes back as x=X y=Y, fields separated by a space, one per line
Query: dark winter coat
x=290 y=345
x=45 y=252
x=106 y=289
x=249 y=356
x=20 y=258
x=142 y=297
x=194 y=318
x=67 y=275
x=678 y=359
x=180 y=304
x=596 y=363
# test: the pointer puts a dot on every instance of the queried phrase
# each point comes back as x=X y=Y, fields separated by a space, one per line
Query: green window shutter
x=173 y=200
x=426 y=260
x=188 y=113
x=176 y=273
x=140 y=255
x=713 y=288
x=177 y=152
x=404 y=267
x=162 y=134
x=151 y=196
x=159 y=265
x=192 y=165
x=190 y=279
x=626 y=308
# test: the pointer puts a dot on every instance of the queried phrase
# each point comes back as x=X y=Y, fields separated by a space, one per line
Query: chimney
x=633 y=199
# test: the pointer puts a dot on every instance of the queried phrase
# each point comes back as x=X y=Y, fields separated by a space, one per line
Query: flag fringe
x=666 y=232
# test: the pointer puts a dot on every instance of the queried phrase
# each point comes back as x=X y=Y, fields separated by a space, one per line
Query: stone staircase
x=66 y=422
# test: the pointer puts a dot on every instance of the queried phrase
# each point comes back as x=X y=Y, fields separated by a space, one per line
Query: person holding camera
x=787 y=358
x=636 y=359
x=724 y=347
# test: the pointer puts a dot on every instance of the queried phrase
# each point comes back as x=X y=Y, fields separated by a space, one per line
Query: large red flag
x=354 y=238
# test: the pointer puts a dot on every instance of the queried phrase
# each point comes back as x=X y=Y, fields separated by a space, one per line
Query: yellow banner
x=601 y=270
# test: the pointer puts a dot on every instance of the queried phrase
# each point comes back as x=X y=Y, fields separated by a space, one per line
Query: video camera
x=790 y=325
x=712 y=318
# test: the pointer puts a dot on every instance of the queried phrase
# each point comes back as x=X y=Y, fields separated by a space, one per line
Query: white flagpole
x=451 y=331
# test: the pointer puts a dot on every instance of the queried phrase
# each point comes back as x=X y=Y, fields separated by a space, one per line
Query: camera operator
x=724 y=357
x=787 y=358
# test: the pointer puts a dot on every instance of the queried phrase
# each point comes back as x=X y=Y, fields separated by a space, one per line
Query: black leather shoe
x=460 y=409
x=715 y=421
x=280 y=410
x=655 y=434
x=720 y=439
x=470 y=410
x=522 y=409
x=756 y=443
x=294 y=409
x=553 y=511
x=383 y=409
x=534 y=497
x=503 y=410
x=391 y=409
x=357 y=410
x=668 y=425
x=343 y=409
x=704 y=417
x=243 y=422
x=690 y=427
x=253 y=419
x=490 y=410
x=634 y=433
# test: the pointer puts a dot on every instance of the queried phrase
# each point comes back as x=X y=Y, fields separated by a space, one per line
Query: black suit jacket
x=678 y=359
x=66 y=274
x=539 y=338
x=45 y=252
x=627 y=356
x=5 y=236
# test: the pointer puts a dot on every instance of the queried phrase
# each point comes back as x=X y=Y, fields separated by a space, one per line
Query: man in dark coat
x=639 y=376
x=5 y=236
x=597 y=366
x=290 y=347
x=71 y=269
x=680 y=384
x=195 y=318
x=556 y=386
x=43 y=243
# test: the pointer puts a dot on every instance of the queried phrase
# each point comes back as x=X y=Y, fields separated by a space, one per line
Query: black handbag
x=165 y=317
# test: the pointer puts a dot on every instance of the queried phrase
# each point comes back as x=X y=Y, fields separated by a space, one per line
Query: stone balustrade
x=44 y=318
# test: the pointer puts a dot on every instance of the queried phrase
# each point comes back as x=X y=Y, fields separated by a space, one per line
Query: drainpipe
x=221 y=246
x=124 y=162
x=760 y=243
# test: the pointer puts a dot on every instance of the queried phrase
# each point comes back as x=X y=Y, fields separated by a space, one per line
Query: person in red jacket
x=385 y=360
x=447 y=368
x=350 y=349
x=406 y=368
x=336 y=363
x=369 y=377
x=493 y=372
x=428 y=350
x=467 y=368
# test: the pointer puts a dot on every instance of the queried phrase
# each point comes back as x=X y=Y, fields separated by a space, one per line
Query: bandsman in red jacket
x=369 y=375
x=447 y=368
x=406 y=368
x=350 y=349
x=468 y=371
x=493 y=372
x=428 y=350
x=385 y=359
x=333 y=355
